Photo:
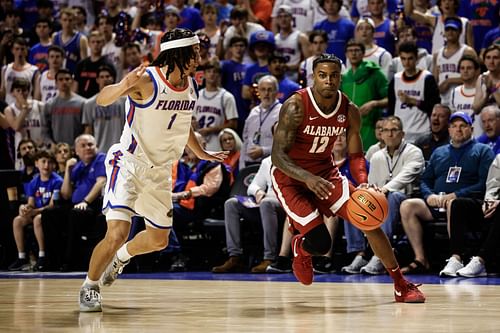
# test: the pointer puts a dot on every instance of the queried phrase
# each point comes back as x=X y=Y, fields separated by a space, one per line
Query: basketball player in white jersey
x=292 y=43
x=160 y=102
x=445 y=61
x=462 y=96
x=48 y=86
x=215 y=109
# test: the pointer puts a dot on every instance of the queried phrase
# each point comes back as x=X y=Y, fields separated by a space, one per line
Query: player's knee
x=116 y=238
x=318 y=241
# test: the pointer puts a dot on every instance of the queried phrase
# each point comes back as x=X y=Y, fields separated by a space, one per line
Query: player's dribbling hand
x=320 y=187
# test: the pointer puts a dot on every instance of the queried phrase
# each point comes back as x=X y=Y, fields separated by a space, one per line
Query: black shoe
x=323 y=265
x=41 y=264
x=281 y=265
x=20 y=265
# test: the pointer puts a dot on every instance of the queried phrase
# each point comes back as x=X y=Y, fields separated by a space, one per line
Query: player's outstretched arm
x=129 y=84
x=201 y=153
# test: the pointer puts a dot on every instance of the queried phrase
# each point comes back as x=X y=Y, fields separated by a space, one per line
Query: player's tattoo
x=291 y=116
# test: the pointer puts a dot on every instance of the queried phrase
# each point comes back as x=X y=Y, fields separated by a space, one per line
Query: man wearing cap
x=458 y=169
x=445 y=61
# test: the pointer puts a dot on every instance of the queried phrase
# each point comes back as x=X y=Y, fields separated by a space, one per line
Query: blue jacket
x=474 y=158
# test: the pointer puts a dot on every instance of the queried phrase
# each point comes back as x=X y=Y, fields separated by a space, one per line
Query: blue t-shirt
x=38 y=56
x=493 y=143
x=383 y=36
x=42 y=190
x=286 y=88
x=338 y=34
x=232 y=74
x=84 y=177
x=483 y=16
x=254 y=73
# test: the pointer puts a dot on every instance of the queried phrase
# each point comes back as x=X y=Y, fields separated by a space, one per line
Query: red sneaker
x=407 y=292
x=302 y=262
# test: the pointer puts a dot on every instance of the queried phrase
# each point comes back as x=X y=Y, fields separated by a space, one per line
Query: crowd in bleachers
x=425 y=75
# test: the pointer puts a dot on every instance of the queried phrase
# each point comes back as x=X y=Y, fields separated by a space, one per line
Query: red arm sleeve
x=357 y=166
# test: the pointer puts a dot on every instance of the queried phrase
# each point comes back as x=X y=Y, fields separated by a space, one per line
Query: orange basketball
x=367 y=209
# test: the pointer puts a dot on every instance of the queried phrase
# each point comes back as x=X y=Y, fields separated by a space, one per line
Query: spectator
x=366 y=86
x=20 y=68
x=490 y=38
x=257 y=134
x=215 y=108
x=86 y=70
x=211 y=29
x=41 y=195
x=62 y=116
x=62 y=155
x=439 y=135
x=379 y=126
x=488 y=83
x=116 y=14
x=39 y=53
x=412 y=94
x=261 y=46
x=384 y=26
x=338 y=29
x=446 y=59
x=395 y=170
x=318 y=40
x=462 y=96
x=105 y=123
x=48 y=87
x=277 y=68
x=81 y=20
x=230 y=141
x=190 y=16
x=232 y=74
x=303 y=14
x=269 y=213
x=359 y=8
x=109 y=47
x=470 y=214
x=25 y=115
x=364 y=33
x=292 y=43
x=203 y=61
x=458 y=169
x=490 y=119
x=74 y=43
x=132 y=57
x=82 y=185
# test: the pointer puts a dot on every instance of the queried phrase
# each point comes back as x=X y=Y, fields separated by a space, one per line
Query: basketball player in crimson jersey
x=307 y=182
x=160 y=103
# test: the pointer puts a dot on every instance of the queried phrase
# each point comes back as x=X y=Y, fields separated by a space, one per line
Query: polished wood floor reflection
x=50 y=305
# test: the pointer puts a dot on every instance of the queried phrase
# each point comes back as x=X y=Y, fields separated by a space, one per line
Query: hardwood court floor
x=50 y=305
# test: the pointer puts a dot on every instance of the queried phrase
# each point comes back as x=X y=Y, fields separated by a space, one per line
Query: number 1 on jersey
x=323 y=143
x=172 y=119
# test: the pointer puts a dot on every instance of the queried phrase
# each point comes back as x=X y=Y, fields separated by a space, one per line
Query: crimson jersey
x=317 y=133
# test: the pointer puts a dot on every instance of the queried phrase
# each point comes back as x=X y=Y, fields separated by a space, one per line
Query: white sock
x=123 y=254
x=22 y=255
x=41 y=254
x=90 y=282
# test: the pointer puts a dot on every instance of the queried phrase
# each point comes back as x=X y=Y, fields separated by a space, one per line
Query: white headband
x=179 y=43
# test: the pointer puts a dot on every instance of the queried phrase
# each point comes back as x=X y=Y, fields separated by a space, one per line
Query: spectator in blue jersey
x=339 y=29
x=82 y=186
x=190 y=16
x=41 y=194
x=277 y=68
x=261 y=46
x=232 y=74
x=490 y=119
x=74 y=43
x=482 y=15
x=384 y=26
x=458 y=169
x=39 y=53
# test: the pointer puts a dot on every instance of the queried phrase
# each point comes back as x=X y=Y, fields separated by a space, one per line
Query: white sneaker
x=355 y=266
x=451 y=268
x=114 y=268
x=474 y=268
x=90 y=298
x=374 y=267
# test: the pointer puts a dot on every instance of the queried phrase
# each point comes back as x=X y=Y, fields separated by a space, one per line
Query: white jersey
x=424 y=61
x=157 y=130
x=415 y=121
x=438 y=40
x=47 y=86
x=306 y=71
x=461 y=100
x=10 y=74
x=289 y=46
x=214 y=108
x=448 y=69
x=302 y=12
